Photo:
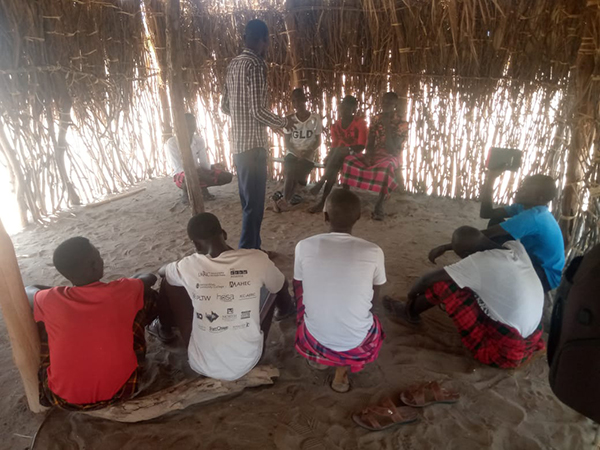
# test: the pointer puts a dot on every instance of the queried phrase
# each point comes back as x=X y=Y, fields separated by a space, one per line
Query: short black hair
x=298 y=92
x=350 y=100
x=343 y=208
x=71 y=256
x=203 y=226
x=256 y=31
x=546 y=186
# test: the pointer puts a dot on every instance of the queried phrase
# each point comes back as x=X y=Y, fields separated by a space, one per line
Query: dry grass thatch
x=477 y=73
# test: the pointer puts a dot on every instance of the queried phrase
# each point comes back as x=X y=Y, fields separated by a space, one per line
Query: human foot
x=341 y=383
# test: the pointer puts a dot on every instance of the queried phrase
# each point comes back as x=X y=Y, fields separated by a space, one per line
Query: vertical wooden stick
x=177 y=105
x=18 y=316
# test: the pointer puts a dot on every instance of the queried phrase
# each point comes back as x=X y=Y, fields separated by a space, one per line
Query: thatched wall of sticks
x=477 y=74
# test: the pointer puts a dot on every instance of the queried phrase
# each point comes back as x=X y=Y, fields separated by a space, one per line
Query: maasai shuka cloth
x=355 y=359
x=492 y=343
x=213 y=178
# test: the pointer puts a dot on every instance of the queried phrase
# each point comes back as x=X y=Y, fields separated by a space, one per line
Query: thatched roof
x=495 y=65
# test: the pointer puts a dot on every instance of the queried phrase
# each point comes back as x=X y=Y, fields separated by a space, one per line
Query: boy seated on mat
x=214 y=298
x=92 y=334
x=529 y=221
x=493 y=295
x=337 y=277
x=209 y=175
x=301 y=145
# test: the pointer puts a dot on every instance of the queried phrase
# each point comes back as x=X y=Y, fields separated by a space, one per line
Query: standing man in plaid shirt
x=245 y=100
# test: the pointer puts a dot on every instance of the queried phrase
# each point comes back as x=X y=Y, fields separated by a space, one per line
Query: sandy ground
x=513 y=410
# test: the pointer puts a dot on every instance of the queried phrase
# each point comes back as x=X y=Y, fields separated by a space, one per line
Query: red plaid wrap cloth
x=213 y=174
x=491 y=342
x=381 y=176
x=310 y=348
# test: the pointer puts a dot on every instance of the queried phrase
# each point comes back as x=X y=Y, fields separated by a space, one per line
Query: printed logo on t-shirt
x=204 y=273
x=302 y=134
x=245 y=314
x=208 y=286
x=248 y=296
x=212 y=316
x=233 y=284
x=230 y=316
x=199 y=315
x=225 y=297
x=238 y=272
x=217 y=329
x=201 y=298
x=241 y=326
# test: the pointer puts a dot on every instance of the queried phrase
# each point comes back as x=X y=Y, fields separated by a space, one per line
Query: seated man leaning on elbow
x=337 y=278
x=214 y=297
x=493 y=295
x=529 y=221
x=92 y=334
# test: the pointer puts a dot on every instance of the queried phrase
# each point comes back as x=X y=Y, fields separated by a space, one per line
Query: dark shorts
x=298 y=168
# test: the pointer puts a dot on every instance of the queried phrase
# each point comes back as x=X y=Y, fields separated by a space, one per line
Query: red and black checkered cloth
x=381 y=176
x=491 y=342
x=209 y=178
x=311 y=349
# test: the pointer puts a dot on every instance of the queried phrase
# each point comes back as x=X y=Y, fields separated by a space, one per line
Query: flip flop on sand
x=384 y=416
x=315 y=365
x=428 y=394
x=398 y=310
x=296 y=200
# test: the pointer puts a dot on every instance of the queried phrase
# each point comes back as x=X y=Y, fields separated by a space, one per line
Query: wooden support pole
x=290 y=27
x=177 y=105
x=18 y=317
x=582 y=126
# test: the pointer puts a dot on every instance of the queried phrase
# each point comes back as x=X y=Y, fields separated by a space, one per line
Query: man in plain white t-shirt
x=214 y=297
x=493 y=295
x=301 y=146
x=337 y=277
x=209 y=175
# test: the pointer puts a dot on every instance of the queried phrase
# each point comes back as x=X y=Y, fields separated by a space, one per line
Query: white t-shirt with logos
x=226 y=341
x=338 y=272
x=306 y=134
x=199 y=153
x=506 y=283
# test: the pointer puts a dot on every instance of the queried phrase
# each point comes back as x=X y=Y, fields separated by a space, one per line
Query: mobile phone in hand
x=504 y=159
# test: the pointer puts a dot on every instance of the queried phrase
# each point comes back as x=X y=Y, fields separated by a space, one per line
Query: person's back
x=90 y=337
x=224 y=287
x=337 y=277
x=541 y=236
x=508 y=288
x=338 y=272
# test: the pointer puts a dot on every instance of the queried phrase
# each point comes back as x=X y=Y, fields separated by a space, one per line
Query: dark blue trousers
x=251 y=168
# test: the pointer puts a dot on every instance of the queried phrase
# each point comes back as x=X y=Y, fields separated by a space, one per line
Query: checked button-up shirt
x=245 y=100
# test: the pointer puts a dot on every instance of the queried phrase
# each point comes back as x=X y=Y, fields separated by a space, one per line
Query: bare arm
x=376 y=292
x=426 y=281
x=149 y=279
x=487 y=210
x=439 y=251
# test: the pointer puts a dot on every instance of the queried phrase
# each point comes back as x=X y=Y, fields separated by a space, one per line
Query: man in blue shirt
x=527 y=220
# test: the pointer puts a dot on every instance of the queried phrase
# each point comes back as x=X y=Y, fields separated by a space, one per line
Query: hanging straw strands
x=477 y=74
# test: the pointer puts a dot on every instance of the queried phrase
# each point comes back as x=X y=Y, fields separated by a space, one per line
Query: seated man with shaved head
x=527 y=220
x=493 y=295
x=337 y=278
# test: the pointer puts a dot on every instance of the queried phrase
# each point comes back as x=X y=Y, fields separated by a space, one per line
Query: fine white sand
x=513 y=410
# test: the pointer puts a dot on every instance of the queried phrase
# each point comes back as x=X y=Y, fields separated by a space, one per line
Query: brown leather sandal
x=428 y=394
x=384 y=416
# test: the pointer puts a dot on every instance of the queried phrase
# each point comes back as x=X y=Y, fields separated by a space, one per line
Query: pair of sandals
x=387 y=415
x=280 y=204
